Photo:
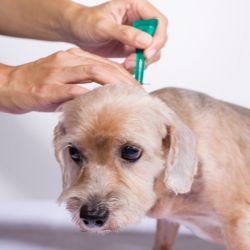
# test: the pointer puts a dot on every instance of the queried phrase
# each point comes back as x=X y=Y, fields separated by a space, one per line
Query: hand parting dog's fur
x=175 y=155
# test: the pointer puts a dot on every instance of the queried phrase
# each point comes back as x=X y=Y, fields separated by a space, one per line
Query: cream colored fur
x=194 y=170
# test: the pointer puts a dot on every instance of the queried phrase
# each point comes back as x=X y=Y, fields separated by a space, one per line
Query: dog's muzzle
x=93 y=217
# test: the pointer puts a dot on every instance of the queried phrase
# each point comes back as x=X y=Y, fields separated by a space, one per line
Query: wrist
x=69 y=18
x=5 y=72
x=5 y=75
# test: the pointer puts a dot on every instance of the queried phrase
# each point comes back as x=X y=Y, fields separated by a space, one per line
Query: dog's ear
x=180 y=150
x=59 y=134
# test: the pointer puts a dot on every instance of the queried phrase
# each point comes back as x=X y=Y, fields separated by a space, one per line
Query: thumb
x=130 y=36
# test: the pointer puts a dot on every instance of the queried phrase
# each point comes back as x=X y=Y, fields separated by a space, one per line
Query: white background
x=208 y=50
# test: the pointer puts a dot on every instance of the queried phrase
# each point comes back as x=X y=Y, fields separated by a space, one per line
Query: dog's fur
x=194 y=170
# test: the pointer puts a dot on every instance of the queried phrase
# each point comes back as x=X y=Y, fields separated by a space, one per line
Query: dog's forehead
x=105 y=126
x=113 y=113
x=101 y=113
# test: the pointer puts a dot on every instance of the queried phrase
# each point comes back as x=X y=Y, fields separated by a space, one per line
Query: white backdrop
x=208 y=50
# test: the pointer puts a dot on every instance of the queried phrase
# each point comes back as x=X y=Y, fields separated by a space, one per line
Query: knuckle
x=157 y=58
x=50 y=74
x=164 y=39
x=42 y=91
x=60 y=55
x=125 y=33
x=99 y=24
x=71 y=92
x=74 y=50
x=38 y=94
x=164 y=19
x=161 y=41
x=91 y=69
x=114 y=64
x=111 y=68
x=51 y=71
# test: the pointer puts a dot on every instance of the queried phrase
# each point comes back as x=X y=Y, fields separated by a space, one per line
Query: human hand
x=45 y=84
x=106 y=29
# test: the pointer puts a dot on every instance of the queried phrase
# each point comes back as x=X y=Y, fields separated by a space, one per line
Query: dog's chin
x=102 y=230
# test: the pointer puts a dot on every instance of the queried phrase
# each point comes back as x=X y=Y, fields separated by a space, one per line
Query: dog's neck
x=167 y=202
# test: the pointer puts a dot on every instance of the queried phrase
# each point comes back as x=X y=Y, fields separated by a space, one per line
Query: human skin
x=45 y=84
x=104 y=30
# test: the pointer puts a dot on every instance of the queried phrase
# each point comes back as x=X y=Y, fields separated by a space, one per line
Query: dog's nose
x=94 y=217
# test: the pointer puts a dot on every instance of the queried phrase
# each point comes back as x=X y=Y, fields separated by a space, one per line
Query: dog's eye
x=75 y=154
x=131 y=153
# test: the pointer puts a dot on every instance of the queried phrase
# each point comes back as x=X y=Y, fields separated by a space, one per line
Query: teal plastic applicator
x=149 y=26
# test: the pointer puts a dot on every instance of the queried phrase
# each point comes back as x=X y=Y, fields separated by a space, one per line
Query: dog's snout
x=94 y=216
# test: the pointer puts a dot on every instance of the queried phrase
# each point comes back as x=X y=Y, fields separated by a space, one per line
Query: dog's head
x=112 y=144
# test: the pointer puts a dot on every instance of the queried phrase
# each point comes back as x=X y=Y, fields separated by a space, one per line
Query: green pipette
x=149 y=26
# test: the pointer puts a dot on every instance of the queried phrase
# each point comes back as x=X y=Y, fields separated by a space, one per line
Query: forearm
x=38 y=19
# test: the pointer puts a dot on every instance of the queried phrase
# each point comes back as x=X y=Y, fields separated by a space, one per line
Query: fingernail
x=144 y=39
x=130 y=64
x=150 y=53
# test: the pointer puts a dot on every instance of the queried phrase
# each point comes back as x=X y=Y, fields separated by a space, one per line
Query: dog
x=175 y=155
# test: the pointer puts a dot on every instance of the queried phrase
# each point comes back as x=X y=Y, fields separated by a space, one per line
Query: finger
x=128 y=35
x=146 y=10
x=159 y=40
x=130 y=61
x=113 y=66
x=93 y=71
x=129 y=50
x=83 y=56
x=153 y=59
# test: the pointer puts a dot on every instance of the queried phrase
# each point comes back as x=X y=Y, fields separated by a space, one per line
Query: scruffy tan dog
x=175 y=155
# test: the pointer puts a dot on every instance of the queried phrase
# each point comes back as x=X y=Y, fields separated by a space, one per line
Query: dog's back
x=194 y=108
x=179 y=99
